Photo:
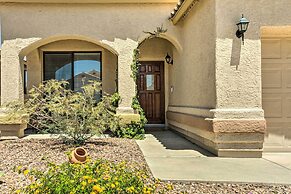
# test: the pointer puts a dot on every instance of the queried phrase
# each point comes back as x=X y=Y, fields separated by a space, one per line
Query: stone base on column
x=236 y=138
x=13 y=129
x=124 y=110
x=127 y=115
x=128 y=118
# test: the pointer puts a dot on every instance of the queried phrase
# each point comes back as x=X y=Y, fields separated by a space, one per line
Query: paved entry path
x=172 y=157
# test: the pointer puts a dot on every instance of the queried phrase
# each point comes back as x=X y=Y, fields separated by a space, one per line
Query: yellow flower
x=112 y=185
x=36 y=192
x=86 y=177
x=130 y=189
x=93 y=192
x=98 y=188
x=19 y=168
x=170 y=187
x=90 y=181
x=83 y=183
x=17 y=191
x=26 y=172
x=146 y=192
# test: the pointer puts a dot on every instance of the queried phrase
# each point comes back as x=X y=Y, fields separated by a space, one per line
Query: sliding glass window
x=77 y=68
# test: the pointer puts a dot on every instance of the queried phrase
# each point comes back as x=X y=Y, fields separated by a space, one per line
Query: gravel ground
x=36 y=153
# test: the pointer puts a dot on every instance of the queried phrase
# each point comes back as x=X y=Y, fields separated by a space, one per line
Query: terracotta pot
x=79 y=156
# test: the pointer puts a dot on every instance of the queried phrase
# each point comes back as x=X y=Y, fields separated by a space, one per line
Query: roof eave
x=182 y=10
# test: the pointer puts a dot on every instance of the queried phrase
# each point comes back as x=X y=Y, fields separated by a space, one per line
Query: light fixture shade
x=243 y=24
x=168 y=58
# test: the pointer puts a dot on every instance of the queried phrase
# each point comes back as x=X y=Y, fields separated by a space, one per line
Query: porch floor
x=172 y=157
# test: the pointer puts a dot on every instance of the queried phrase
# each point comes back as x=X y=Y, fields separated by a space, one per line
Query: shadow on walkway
x=173 y=141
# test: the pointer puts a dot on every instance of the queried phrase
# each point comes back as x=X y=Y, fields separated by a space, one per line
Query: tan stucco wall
x=99 y=21
x=12 y=69
x=192 y=75
x=238 y=67
x=109 y=62
x=155 y=49
x=237 y=101
x=90 y=1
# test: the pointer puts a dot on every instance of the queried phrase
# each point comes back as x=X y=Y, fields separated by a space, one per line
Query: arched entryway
x=76 y=59
x=154 y=83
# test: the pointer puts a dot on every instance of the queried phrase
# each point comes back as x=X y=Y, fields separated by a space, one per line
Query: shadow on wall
x=235 y=53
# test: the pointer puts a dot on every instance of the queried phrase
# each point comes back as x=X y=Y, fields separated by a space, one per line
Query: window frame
x=73 y=64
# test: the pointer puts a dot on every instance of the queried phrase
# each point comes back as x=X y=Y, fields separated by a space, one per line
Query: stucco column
x=238 y=121
x=126 y=85
x=12 y=69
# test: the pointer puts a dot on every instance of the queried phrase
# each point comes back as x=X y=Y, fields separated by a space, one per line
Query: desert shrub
x=134 y=129
x=131 y=131
x=100 y=176
x=76 y=116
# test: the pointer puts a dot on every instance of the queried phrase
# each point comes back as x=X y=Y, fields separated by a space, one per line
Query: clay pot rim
x=83 y=149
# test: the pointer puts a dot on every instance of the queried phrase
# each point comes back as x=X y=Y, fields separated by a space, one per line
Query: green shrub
x=100 y=176
x=135 y=129
x=76 y=116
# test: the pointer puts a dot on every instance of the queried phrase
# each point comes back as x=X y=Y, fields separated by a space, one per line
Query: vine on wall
x=136 y=129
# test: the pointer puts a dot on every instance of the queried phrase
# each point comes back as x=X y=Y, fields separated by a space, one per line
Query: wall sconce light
x=242 y=28
x=25 y=59
x=169 y=59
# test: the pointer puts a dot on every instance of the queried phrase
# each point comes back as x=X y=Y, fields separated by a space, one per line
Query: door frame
x=163 y=86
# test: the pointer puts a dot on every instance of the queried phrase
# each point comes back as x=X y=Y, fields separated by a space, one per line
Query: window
x=77 y=68
x=150 y=82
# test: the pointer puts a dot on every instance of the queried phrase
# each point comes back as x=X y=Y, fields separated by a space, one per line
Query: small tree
x=76 y=116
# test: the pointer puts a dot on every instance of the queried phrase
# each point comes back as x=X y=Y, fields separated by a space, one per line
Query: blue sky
x=80 y=66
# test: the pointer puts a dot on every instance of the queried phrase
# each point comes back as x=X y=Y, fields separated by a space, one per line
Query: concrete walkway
x=171 y=157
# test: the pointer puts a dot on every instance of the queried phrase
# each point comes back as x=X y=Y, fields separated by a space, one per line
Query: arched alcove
x=70 y=45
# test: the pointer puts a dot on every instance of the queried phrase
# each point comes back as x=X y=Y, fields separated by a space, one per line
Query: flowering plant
x=101 y=176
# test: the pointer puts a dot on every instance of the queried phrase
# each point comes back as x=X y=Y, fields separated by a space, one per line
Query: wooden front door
x=151 y=91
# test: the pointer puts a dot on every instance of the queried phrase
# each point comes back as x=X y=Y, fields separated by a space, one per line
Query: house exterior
x=230 y=98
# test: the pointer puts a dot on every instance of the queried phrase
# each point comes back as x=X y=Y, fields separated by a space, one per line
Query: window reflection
x=86 y=67
x=58 y=66
x=76 y=68
x=150 y=81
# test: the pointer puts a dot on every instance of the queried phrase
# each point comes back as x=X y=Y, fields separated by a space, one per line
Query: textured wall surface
x=126 y=85
x=99 y=21
x=192 y=74
x=12 y=69
x=238 y=67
